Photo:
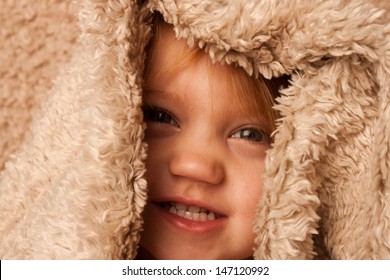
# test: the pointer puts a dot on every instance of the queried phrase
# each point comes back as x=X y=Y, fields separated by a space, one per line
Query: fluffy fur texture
x=73 y=187
x=36 y=41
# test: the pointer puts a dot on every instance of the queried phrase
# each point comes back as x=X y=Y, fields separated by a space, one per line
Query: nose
x=197 y=164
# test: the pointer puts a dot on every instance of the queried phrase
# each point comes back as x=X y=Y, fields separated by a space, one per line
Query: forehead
x=202 y=88
x=194 y=82
x=166 y=51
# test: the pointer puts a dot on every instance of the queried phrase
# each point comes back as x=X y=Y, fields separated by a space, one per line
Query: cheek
x=251 y=187
x=243 y=232
x=156 y=165
x=247 y=209
x=249 y=202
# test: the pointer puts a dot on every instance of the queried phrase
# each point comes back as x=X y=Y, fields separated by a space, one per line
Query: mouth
x=190 y=212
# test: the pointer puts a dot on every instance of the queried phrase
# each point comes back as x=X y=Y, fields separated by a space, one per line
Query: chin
x=188 y=249
x=175 y=253
x=191 y=254
x=183 y=255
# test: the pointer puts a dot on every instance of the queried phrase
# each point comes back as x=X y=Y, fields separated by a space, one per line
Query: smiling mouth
x=190 y=212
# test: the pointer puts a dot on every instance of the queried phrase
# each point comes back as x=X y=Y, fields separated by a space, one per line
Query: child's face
x=205 y=164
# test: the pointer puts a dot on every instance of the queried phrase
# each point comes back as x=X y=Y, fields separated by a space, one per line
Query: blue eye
x=158 y=116
x=251 y=134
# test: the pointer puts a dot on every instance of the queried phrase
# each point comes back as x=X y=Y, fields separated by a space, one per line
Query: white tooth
x=188 y=215
x=181 y=206
x=195 y=216
x=194 y=209
x=180 y=213
x=192 y=212
x=211 y=216
x=202 y=217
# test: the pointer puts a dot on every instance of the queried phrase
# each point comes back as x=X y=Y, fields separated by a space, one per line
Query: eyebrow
x=165 y=96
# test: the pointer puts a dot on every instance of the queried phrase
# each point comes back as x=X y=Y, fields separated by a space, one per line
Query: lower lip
x=189 y=225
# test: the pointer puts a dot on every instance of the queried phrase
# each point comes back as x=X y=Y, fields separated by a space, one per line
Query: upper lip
x=189 y=202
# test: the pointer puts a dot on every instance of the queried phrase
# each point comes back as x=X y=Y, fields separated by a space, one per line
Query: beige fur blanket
x=71 y=133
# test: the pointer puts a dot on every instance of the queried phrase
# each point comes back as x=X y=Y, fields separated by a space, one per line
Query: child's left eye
x=251 y=134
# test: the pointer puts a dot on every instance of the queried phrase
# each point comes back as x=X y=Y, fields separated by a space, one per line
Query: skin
x=203 y=150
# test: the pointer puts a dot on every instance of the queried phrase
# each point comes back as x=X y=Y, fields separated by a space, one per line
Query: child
x=208 y=129
x=89 y=182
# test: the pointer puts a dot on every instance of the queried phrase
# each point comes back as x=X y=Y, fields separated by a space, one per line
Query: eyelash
x=161 y=116
x=252 y=134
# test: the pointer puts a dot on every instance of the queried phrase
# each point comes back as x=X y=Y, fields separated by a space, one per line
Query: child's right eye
x=159 y=116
